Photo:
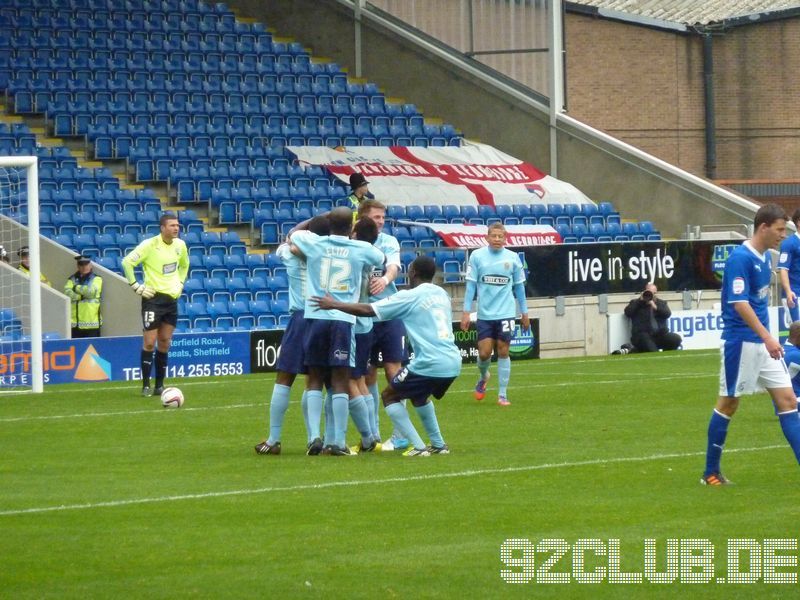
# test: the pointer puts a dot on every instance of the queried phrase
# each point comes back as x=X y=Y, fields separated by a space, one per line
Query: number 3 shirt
x=426 y=313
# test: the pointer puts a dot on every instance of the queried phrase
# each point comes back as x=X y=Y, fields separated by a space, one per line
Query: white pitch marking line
x=338 y=484
x=232 y=406
x=123 y=413
x=533 y=364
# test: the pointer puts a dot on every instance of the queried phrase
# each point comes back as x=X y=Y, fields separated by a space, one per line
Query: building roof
x=686 y=12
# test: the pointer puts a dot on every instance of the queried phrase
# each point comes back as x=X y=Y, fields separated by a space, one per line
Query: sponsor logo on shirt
x=495 y=279
x=784 y=257
x=169 y=268
x=737 y=286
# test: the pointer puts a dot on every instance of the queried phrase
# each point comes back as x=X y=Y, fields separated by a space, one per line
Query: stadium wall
x=645 y=86
x=121 y=307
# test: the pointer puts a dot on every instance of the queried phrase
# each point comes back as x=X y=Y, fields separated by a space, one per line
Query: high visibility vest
x=85 y=294
x=354 y=204
x=42 y=278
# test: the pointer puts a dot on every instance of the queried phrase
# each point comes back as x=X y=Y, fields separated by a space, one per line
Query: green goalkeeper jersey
x=165 y=266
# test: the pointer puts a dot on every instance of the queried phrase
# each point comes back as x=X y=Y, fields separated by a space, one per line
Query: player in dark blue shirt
x=751 y=357
x=789 y=270
x=792 y=356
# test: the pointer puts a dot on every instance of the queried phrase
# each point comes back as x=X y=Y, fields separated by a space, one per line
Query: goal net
x=20 y=295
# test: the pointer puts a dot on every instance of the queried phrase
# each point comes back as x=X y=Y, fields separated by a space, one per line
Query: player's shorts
x=747 y=368
x=159 y=309
x=291 y=355
x=388 y=343
x=329 y=343
x=417 y=388
x=496 y=329
x=363 y=347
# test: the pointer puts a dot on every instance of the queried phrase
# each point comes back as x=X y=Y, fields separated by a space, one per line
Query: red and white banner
x=464 y=235
x=468 y=174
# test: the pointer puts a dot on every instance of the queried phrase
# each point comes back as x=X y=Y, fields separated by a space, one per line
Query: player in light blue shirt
x=495 y=274
x=789 y=270
x=388 y=337
x=291 y=358
x=335 y=266
x=362 y=406
x=751 y=357
x=426 y=312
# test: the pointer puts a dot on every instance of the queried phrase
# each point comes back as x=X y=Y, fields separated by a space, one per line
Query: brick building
x=636 y=71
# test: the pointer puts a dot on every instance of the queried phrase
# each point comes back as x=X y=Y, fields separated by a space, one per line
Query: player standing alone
x=496 y=275
x=165 y=263
x=751 y=357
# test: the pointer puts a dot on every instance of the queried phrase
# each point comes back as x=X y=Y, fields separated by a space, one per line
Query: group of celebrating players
x=347 y=320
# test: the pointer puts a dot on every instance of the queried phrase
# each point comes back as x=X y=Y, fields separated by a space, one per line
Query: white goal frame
x=31 y=166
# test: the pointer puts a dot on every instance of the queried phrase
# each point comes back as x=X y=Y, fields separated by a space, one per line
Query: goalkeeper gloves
x=144 y=291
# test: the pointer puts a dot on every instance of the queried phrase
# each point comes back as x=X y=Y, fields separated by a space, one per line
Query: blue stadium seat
x=451 y=213
x=241 y=314
x=238 y=289
x=198 y=315
x=195 y=290
x=630 y=229
x=258 y=287
x=434 y=213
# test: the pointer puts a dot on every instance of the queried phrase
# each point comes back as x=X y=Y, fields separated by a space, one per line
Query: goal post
x=20 y=298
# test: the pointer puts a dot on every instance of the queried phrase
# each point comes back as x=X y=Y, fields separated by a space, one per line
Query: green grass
x=139 y=501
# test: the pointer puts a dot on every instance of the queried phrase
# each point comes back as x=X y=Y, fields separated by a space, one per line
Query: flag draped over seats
x=464 y=235
x=469 y=174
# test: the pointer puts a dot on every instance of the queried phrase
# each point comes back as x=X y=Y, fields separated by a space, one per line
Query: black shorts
x=417 y=388
x=159 y=309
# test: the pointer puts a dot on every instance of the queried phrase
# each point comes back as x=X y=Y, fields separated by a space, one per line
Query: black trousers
x=85 y=333
x=653 y=342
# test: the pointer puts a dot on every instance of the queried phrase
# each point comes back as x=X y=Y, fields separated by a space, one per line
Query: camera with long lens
x=647 y=295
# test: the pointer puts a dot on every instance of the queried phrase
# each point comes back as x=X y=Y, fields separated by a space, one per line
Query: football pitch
x=106 y=494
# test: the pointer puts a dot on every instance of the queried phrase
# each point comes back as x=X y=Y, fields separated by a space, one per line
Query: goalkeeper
x=165 y=263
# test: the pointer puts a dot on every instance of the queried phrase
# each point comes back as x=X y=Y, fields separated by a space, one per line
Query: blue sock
x=330 y=434
x=503 y=375
x=314 y=401
x=376 y=398
x=427 y=415
x=369 y=403
x=402 y=423
x=790 y=423
x=483 y=366
x=341 y=412
x=717 y=432
x=277 y=409
x=360 y=415
x=304 y=407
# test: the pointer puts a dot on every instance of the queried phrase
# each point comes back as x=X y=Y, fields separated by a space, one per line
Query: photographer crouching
x=648 y=314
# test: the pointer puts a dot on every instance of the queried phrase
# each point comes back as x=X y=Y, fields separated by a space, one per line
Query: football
x=172 y=397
